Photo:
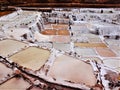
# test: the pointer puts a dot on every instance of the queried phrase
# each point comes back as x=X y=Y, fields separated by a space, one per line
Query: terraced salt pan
x=81 y=28
x=49 y=32
x=92 y=45
x=90 y=35
x=92 y=38
x=4 y=71
x=112 y=63
x=8 y=47
x=48 y=26
x=115 y=49
x=62 y=46
x=17 y=32
x=61 y=39
x=42 y=38
x=60 y=26
x=55 y=32
x=15 y=84
x=85 y=51
x=63 y=32
x=112 y=42
x=95 y=40
x=32 y=57
x=105 y=52
x=52 y=38
x=79 y=39
x=85 y=39
x=72 y=70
